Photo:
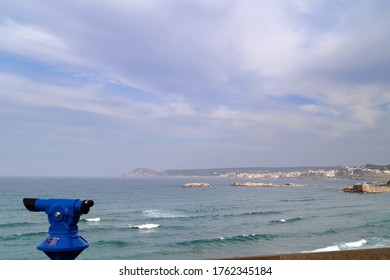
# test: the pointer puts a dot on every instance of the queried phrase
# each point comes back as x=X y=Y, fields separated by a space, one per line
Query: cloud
x=90 y=99
x=34 y=42
x=189 y=73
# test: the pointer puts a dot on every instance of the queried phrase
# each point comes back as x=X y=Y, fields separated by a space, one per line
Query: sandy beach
x=363 y=254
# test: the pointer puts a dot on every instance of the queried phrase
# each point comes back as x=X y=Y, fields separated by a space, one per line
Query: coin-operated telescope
x=63 y=241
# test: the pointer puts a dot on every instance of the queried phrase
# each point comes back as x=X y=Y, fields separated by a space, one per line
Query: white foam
x=145 y=226
x=156 y=213
x=289 y=220
x=93 y=219
x=356 y=244
x=341 y=246
x=326 y=249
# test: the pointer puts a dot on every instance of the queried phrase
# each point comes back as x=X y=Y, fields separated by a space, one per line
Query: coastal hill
x=366 y=172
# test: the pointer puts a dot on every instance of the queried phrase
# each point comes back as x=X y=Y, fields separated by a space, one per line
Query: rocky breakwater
x=197 y=185
x=366 y=188
x=260 y=184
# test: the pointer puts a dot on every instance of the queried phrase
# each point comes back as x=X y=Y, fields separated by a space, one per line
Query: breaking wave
x=286 y=220
x=341 y=246
x=93 y=219
x=168 y=214
x=144 y=226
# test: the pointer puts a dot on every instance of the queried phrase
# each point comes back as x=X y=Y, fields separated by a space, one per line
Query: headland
x=368 y=172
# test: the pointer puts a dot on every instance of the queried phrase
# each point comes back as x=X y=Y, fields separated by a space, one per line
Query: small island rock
x=366 y=188
x=260 y=184
x=197 y=185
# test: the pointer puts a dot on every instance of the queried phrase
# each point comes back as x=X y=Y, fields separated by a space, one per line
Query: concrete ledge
x=363 y=254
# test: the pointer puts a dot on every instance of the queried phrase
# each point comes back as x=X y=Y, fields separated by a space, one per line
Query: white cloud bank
x=193 y=75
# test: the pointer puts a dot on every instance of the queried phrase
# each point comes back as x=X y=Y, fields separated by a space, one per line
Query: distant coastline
x=366 y=172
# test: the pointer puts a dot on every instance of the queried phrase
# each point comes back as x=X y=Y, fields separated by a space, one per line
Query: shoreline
x=360 y=254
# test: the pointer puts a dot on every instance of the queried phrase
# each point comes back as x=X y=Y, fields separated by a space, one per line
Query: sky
x=98 y=88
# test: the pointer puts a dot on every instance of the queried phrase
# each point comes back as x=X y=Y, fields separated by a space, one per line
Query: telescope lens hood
x=29 y=203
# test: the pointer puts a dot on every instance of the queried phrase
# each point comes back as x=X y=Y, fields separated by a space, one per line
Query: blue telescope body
x=63 y=241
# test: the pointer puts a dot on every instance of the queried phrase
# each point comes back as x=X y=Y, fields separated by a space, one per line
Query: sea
x=155 y=218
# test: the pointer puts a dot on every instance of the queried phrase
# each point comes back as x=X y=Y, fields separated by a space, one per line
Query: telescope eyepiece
x=29 y=203
x=86 y=205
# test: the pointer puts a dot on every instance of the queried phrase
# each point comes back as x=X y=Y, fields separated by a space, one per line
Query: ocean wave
x=289 y=220
x=235 y=215
x=96 y=228
x=341 y=246
x=341 y=207
x=23 y=235
x=166 y=214
x=222 y=240
x=162 y=214
x=355 y=244
x=378 y=224
x=111 y=243
x=325 y=249
x=326 y=232
x=144 y=226
x=300 y=200
x=254 y=213
x=31 y=233
x=11 y=225
x=107 y=228
x=378 y=242
x=93 y=219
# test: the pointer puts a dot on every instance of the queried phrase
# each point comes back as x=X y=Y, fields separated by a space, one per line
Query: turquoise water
x=155 y=218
